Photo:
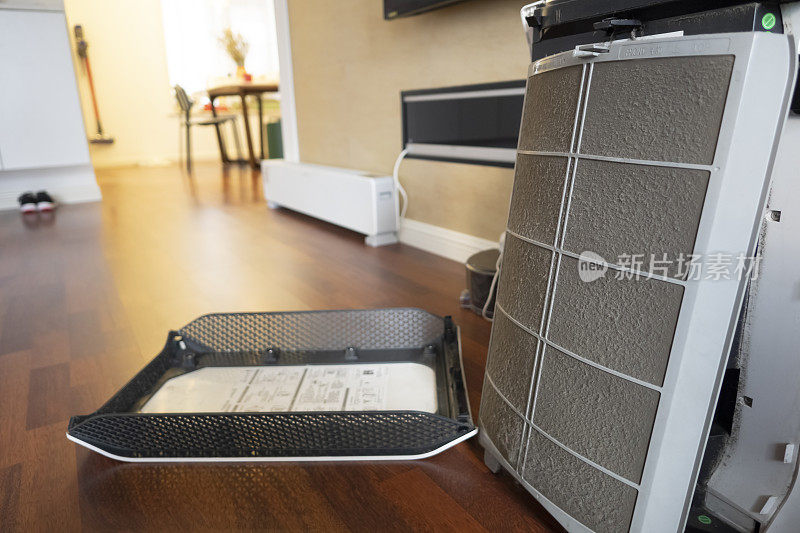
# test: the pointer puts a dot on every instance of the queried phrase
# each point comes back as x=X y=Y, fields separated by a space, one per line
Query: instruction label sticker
x=348 y=387
x=343 y=388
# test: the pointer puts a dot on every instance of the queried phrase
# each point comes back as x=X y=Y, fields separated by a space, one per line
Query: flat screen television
x=393 y=9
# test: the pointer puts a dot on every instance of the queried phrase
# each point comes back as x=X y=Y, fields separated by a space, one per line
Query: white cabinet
x=41 y=125
x=40 y=5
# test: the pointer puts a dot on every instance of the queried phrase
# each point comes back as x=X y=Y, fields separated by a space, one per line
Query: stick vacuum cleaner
x=99 y=137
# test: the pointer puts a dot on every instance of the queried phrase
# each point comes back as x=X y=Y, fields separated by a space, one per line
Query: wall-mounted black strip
x=485 y=115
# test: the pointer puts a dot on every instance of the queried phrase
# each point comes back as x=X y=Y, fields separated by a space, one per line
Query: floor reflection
x=38 y=219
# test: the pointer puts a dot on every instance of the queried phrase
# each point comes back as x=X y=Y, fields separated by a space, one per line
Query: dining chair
x=185 y=103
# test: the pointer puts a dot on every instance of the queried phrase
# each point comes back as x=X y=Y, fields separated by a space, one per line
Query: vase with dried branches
x=237 y=48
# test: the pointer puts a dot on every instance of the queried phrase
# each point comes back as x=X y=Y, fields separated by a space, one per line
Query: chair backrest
x=184 y=101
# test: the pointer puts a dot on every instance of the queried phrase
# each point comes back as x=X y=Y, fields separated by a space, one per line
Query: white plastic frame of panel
x=771 y=421
x=755 y=111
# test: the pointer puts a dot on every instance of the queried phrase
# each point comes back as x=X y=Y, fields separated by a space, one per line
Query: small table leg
x=260 y=126
x=222 y=152
x=248 y=134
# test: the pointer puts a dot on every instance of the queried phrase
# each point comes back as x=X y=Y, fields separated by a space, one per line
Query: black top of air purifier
x=560 y=25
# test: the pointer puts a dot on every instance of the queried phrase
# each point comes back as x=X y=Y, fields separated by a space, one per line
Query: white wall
x=137 y=106
x=349 y=67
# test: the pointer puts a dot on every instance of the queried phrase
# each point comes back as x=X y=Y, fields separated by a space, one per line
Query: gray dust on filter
x=604 y=418
x=501 y=423
x=551 y=102
x=536 y=198
x=511 y=359
x=626 y=325
x=589 y=495
x=640 y=109
x=621 y=210
x=523 y=281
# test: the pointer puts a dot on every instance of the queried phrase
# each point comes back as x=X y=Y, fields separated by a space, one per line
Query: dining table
x=243 y=89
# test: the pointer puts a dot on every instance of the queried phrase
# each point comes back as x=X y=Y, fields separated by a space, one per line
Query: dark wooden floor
x=87 y=297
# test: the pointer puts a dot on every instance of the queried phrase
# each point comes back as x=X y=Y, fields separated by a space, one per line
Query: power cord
x=401 y=213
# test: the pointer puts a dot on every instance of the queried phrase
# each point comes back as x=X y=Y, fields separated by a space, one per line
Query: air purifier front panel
x=637 y=167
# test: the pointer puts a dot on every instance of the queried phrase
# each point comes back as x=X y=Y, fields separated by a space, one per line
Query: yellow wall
x=128 y=61
x=349 y=68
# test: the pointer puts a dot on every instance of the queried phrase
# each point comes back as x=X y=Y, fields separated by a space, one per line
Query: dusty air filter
x=317 y=385
x=639 y=163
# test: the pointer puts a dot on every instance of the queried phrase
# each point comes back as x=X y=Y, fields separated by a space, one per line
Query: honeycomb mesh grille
x=270 y=434
x=236 y=339
x=315 y=330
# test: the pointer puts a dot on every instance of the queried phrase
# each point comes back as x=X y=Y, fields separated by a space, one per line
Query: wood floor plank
x=9 y=496
x=355 y=494
x=47 y=392
x=86 y=300
x=14 y=374
x=48 y=499
x=426 y=505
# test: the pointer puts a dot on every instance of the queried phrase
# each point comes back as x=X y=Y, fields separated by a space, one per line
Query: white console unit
x=42 y=138
x=353 y=199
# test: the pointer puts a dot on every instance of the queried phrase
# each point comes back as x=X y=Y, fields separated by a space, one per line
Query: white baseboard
x=442 y=241
x=67 y=185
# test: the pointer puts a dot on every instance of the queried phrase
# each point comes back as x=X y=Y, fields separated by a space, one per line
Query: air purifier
x=642 y=370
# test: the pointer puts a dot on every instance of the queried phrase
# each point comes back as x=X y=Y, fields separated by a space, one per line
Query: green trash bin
x=274 y=140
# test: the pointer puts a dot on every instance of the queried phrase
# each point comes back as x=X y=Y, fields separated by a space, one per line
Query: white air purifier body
x=605 y=368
